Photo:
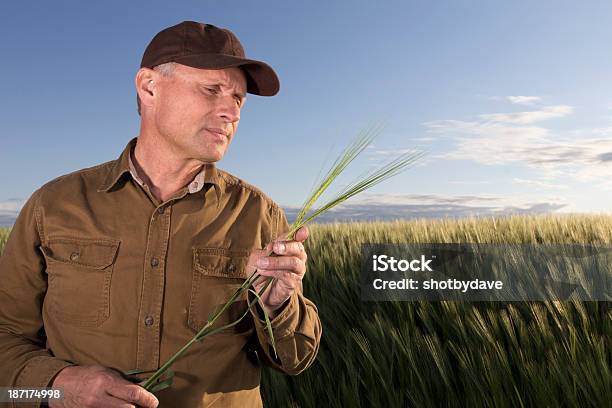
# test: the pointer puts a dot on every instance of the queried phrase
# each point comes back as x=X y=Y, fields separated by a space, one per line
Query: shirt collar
x=124 y=164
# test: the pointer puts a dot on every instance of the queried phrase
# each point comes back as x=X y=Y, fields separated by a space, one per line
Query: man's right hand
x=96 y=386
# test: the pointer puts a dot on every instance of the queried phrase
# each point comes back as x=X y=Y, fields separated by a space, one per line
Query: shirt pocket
x=217 y=274
x=79 y=276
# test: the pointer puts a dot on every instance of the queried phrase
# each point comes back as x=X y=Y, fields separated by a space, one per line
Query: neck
x=160 y=168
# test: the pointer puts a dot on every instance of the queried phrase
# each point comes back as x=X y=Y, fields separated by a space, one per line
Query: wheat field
x=431 y=354
x=4 y=233
x=451 y=354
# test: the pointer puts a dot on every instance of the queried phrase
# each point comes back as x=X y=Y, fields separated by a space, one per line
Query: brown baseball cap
x=200 y=45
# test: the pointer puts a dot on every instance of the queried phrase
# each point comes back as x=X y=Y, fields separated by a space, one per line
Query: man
x=116 y=267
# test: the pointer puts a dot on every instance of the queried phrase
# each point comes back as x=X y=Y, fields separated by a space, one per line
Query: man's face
x=198 y=111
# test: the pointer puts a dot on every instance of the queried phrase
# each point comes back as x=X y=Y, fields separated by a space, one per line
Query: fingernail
x=262 y=262
x=280 y=248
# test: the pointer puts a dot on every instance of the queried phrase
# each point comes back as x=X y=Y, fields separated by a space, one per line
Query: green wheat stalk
x=385 y=172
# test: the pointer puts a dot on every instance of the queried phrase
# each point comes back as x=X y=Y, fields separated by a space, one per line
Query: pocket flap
x=221 y=262
x=93 y=253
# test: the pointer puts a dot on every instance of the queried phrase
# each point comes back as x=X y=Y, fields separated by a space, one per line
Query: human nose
x=229 y=109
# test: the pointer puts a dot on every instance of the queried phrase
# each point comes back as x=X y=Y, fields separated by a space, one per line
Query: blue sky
x=511 y=100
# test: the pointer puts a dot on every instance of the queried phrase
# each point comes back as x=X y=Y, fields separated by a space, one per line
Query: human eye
x=211 y=90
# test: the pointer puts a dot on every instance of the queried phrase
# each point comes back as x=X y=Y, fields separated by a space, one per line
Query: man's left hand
x=288 y=267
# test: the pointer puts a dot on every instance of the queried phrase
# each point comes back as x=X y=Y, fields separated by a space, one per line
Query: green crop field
x=4 y=233
x=430 y=354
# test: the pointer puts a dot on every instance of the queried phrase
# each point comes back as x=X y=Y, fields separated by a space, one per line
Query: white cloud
x=9 y=209
x=371 y=206
x=488 y=142
x=473 y=200
x=538 y=184
x=584 y=155
x=602 y=132
x=12 y=204
x=391 y=152
x=525 y=118
x=465 y=182
x=523 y=100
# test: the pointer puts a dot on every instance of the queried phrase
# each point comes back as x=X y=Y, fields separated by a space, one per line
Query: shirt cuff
x=284 y=323
x=39 y=372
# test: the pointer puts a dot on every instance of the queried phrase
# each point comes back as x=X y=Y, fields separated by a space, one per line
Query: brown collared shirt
x=96 y=271
x=193 y=187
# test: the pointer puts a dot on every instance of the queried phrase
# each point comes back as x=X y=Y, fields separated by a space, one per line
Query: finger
x=253 y=257
x=260 y=282
x=112 y=402
x=288 y=279
x=267 y=249
x=302 y=234
x=291 y=248
x=289 y=263
x=134 y=393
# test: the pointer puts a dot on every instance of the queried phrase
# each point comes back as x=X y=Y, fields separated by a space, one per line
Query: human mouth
x=219 y=133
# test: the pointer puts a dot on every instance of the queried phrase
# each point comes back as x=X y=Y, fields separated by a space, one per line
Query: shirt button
x=74 y=256
x=161 y=210
x=149 y=321
x=195 y=184
x=154 y=262
x=231 y=268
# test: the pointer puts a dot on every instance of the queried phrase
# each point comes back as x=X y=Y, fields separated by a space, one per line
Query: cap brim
x=261 y=78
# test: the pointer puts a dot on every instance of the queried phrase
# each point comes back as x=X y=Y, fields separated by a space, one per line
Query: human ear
x=145 y=82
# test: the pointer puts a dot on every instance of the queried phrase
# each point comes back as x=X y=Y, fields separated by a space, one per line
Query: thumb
x=301 y=235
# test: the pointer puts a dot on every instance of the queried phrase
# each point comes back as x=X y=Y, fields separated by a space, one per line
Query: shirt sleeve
x=296 y=328
x=23 y=284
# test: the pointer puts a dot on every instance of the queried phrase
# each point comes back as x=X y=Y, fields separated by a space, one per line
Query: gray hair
x=166 y=70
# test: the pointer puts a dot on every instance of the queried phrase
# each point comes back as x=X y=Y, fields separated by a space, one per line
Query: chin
x=211 y=158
